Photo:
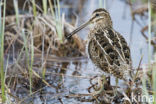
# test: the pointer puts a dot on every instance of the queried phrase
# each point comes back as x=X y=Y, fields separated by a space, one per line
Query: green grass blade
x=144 y=79
x=149 y=32
x=34 y=8
x=2 y=28
x=154 y=80
x=27 y=55
x=51 y=8
x=102 y=4
x=16 y=11
x=59 y=24
x=44 y=6
x=32 y=61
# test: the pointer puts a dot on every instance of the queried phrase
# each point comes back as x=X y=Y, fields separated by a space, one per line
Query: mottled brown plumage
x=107 y=49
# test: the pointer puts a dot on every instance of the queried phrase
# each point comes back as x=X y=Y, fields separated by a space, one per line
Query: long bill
x=78 y=29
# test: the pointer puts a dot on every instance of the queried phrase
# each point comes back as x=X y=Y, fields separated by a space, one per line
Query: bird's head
x=100 y=17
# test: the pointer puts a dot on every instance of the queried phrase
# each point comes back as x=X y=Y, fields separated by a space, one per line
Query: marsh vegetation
x=39 y=65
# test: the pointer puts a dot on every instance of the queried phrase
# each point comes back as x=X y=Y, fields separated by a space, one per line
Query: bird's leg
x=92 y=84
x=116 y=81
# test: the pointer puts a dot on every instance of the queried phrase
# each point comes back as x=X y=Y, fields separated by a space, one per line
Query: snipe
x=107 y=49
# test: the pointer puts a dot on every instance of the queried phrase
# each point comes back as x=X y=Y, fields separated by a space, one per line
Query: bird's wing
x=119 y=44
x=109 y=51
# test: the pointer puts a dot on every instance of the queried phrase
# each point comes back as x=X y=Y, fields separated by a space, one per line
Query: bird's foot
x=102 y=82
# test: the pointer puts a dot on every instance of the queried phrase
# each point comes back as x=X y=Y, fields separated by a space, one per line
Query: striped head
x=100 y=18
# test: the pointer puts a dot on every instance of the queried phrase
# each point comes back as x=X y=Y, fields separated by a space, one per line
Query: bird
x=106 y=47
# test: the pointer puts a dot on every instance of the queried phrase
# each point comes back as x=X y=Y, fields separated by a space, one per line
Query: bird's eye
x=97 y=15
